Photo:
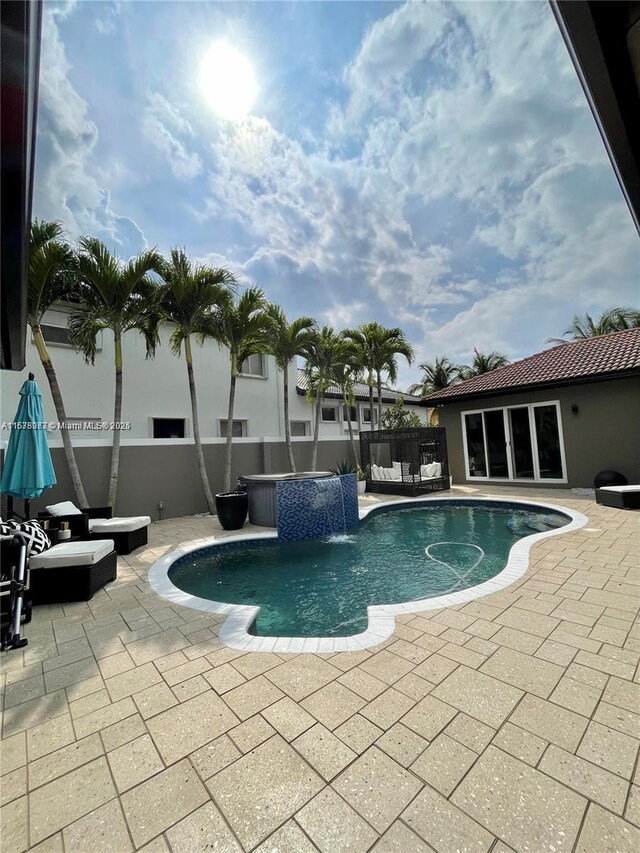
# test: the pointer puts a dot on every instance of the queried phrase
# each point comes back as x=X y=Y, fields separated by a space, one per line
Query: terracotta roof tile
x=617 y=353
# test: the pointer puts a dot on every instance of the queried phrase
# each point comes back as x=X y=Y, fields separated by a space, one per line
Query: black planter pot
x=231 y=508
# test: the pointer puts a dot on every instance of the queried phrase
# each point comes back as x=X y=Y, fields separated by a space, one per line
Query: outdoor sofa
x=127 y=532
x=620 y=497
x=401 y=478
x=72 y=571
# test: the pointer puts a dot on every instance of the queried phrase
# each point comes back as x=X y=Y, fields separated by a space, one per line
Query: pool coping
x=381 y=624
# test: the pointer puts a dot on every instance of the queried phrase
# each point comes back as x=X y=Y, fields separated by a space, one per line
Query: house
x=334 y=411
x=556 y=418
x=158 y=468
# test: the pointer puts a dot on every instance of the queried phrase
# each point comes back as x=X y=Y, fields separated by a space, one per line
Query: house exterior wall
x=158 y=388
x=604 y=435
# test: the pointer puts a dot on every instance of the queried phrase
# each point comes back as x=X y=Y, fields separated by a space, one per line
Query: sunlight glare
x=228 y=82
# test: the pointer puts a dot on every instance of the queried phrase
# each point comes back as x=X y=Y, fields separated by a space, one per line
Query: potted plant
x=345 y=467
x=362 y=481
x=231 y=508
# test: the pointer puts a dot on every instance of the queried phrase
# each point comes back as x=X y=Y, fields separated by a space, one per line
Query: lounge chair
x=127 y=532
x=72 y=571
x=620 y=497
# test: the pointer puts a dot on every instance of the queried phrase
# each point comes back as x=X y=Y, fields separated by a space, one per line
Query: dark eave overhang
x=363 y=398
x=603 y=40
x=533 y=386
x=20 y=58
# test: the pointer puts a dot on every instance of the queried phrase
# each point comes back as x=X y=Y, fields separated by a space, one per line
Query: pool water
x=321 y=588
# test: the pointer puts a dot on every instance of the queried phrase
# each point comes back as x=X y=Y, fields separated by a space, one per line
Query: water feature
x=315 y=508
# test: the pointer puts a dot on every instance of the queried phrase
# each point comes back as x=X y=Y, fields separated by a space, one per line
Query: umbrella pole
x=27 y=509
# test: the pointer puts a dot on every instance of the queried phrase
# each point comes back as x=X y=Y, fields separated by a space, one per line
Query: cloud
x=162 y=125
x=69 y=184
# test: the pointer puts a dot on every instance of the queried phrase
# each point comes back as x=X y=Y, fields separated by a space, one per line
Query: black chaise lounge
x=72 y=571
x=620 y=497
x=128 y=533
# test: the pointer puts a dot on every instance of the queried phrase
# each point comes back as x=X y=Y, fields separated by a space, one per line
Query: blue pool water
x=321 y=588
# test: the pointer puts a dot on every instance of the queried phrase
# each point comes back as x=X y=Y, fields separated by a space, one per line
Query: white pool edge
x=234 y=630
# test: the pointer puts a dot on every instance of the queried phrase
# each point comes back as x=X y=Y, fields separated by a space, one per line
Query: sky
x=429 y=165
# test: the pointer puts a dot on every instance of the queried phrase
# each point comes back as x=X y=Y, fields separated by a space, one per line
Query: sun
x=228 y=82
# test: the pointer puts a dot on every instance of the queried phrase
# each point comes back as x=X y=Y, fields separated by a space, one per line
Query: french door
x=515 y=443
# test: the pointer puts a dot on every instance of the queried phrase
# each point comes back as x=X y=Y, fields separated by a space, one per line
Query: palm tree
x=347 y=371
x=190 y=298
x=363 y=337
x=50 y=264
x=387 y=345
x=243 y=327
x=483 y=363
x=436 y=376
x=118 y=296
x=286 y=342
x=324 y=355
x=611 y=320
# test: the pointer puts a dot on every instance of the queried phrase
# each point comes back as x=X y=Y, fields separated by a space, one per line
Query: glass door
x=496 y=443
x=515 y=443
x=521 y=445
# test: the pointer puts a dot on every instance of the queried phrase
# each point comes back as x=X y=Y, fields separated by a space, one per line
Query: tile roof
x=361 y=390
x=592 y=358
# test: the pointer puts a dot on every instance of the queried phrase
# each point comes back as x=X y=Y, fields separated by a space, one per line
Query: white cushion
x=64 y=508
x=94 y=521
x=395 y=474
x=119 y=525
x=376 y=472
x=72 y=554
x=397 y=467
x=388 y=473
x=423 y=470
x=620 y=488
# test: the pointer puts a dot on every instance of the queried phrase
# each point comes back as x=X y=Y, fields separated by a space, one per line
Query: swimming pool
x=404 y=557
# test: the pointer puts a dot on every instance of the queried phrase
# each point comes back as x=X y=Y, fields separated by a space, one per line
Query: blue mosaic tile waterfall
x=313 y=509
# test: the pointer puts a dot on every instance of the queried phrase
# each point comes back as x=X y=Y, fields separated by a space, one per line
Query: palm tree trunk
x=316 y=432
x=196 y=429
x=232 y=401
x=117 y=416
x=350 y=427
x=370 y=381
x=379 y=389
x=287 y=423
x=61 y=415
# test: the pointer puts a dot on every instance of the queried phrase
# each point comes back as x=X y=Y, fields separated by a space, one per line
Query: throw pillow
x=64 y=508
x=8 y=528
x=33 y=536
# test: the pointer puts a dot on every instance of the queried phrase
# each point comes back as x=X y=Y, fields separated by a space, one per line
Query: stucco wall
x=152 y=473
x=605 y=434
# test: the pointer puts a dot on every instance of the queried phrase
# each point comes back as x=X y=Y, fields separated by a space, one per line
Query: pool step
x=525 y=525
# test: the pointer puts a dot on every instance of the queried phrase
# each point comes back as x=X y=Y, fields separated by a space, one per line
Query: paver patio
x=508 y=723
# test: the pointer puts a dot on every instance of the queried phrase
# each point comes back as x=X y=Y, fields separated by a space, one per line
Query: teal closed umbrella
x=28 y=470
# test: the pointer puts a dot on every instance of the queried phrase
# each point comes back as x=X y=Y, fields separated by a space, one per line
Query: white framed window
x=524 y=443
x=329 y=414
x=239 y=429
x=299 y=428
x=255 y=365
x=58 y=335
x=168 y=427
x=365 y=415
x=350 y=413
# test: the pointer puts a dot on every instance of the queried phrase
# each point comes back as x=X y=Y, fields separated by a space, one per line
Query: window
x=168 y=427
x=515 y=443
x=329 y=413
x=59 y=335
x=239 y=429
x=300 y=428
x=350 y=413
x=253 y=366
x=366 y=416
